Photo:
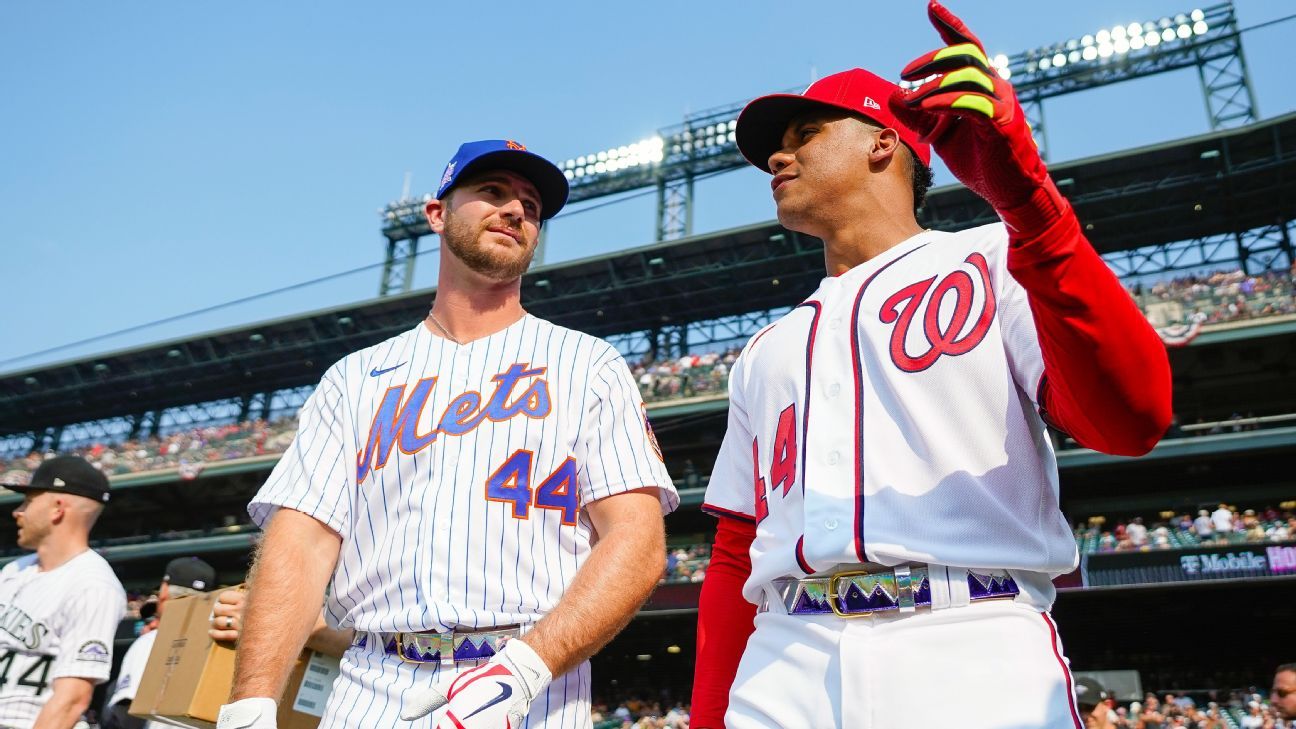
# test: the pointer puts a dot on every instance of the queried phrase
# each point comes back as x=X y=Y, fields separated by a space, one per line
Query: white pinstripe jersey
x=891 y=418
x=54 y=624
x=457 y=475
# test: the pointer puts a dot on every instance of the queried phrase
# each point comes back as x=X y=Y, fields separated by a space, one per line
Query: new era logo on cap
x=507 y=154
x=762 y=123
x=69 y=475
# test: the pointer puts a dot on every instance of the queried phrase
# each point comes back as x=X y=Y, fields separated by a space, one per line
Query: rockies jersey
x=457 y=475
x=892 y=418
x=54 y=624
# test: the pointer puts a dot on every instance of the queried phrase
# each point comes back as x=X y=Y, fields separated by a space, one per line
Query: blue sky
x=162 y=157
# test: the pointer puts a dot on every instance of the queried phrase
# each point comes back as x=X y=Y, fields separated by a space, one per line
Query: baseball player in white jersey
x=887 y=491
x=184 y=576
x=483 y=490
x=60 y=606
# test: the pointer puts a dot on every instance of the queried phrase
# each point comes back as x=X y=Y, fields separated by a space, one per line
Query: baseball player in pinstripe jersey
x=60 y=605
x=481 y=494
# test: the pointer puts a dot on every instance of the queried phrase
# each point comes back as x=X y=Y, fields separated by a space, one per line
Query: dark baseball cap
x=69 y=475
x=506 y=154
x=1089 y=693
x=190 y=572
x=762 y=123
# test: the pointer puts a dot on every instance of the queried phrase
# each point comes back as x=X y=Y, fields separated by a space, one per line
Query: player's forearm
x=329 y=641
x=286 y=587
x=614 y=582
x=1108 y=376
x=64 y=708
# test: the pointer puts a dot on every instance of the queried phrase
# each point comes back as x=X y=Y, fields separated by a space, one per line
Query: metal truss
x=675 y=341
x=704 y=143
x=1034 y=109
x=17 y=445
x=398 y=268
x=1230 y=100
x=286 y=403
x=262 y=405
x=1255 y=251
x=674 y=208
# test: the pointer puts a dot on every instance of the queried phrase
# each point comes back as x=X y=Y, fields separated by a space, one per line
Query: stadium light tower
x=676 y=156
x=1206 y=38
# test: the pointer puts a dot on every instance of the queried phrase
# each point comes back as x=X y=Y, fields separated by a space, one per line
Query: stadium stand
x=1214 y=298
x=1218 y=525
x=1209 y=299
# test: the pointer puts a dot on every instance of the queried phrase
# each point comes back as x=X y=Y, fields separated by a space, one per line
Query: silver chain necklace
x=444 y=331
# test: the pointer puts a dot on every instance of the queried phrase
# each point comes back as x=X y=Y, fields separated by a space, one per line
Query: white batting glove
x=248 y=714
x=498 y=693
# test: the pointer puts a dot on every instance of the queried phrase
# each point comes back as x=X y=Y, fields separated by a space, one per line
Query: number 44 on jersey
x=511 y=484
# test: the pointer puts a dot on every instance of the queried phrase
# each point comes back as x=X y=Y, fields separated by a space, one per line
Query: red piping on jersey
x=721 y=511
x=1066 y=671
x=800 y=556
x=805 y=410
x=857 y=371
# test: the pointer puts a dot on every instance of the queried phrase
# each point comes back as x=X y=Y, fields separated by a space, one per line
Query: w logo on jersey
x=397 y=418
x=950 y=334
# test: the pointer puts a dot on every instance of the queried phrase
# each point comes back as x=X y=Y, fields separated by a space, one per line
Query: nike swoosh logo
x=376 y=372
x=505 y=692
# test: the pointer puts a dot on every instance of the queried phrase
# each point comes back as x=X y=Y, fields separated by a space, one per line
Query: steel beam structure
x=1257 y=250
x=398 y=266
x=704 y=144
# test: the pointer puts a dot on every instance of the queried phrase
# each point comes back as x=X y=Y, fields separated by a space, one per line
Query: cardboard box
x=188 y=676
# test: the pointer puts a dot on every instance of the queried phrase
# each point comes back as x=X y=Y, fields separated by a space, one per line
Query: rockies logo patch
x=93 y=651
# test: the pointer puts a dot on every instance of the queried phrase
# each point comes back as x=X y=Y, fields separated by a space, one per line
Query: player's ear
x=59 y=511
x=434 y=210
x=885 y=144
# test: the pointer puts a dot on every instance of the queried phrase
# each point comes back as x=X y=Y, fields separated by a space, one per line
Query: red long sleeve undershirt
x=1106 y=383
x=1106 y=373
x=724 y=622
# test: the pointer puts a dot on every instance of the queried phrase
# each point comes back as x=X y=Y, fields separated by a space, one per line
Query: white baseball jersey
x=892 y=418
x=131 y=671
x=457 y=475
x=54 y=624
x=132 y=668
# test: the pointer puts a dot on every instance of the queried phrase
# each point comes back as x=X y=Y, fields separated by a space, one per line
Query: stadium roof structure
x=1184 y=203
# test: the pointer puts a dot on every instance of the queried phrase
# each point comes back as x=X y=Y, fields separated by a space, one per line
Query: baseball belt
x=857 y=594
x=446 y=649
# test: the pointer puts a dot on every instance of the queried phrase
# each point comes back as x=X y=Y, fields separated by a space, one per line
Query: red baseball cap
x=762 y=123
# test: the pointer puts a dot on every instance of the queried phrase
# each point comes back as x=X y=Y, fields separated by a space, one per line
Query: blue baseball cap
x=506 y=154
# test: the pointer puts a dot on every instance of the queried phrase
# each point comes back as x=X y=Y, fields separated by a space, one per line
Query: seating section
x=1209 y=525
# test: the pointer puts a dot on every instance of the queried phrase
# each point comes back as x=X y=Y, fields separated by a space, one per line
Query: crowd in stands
x=187 y=450
x=1207 y=298
x=687 y=564
x=1180 y=530
x=693 y=375
x=1217 y=297
x=1237 y=710
x=640 y=714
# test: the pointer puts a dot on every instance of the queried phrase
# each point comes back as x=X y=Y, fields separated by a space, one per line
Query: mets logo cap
x=762 y=123
x=506 y=154
x=69 y=475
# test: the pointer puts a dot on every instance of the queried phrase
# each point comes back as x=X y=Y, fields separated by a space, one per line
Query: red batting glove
x=971 y=117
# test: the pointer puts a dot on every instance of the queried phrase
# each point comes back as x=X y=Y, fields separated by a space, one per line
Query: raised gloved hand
x=970 y=116
x=496 y=694
x=248 y=714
